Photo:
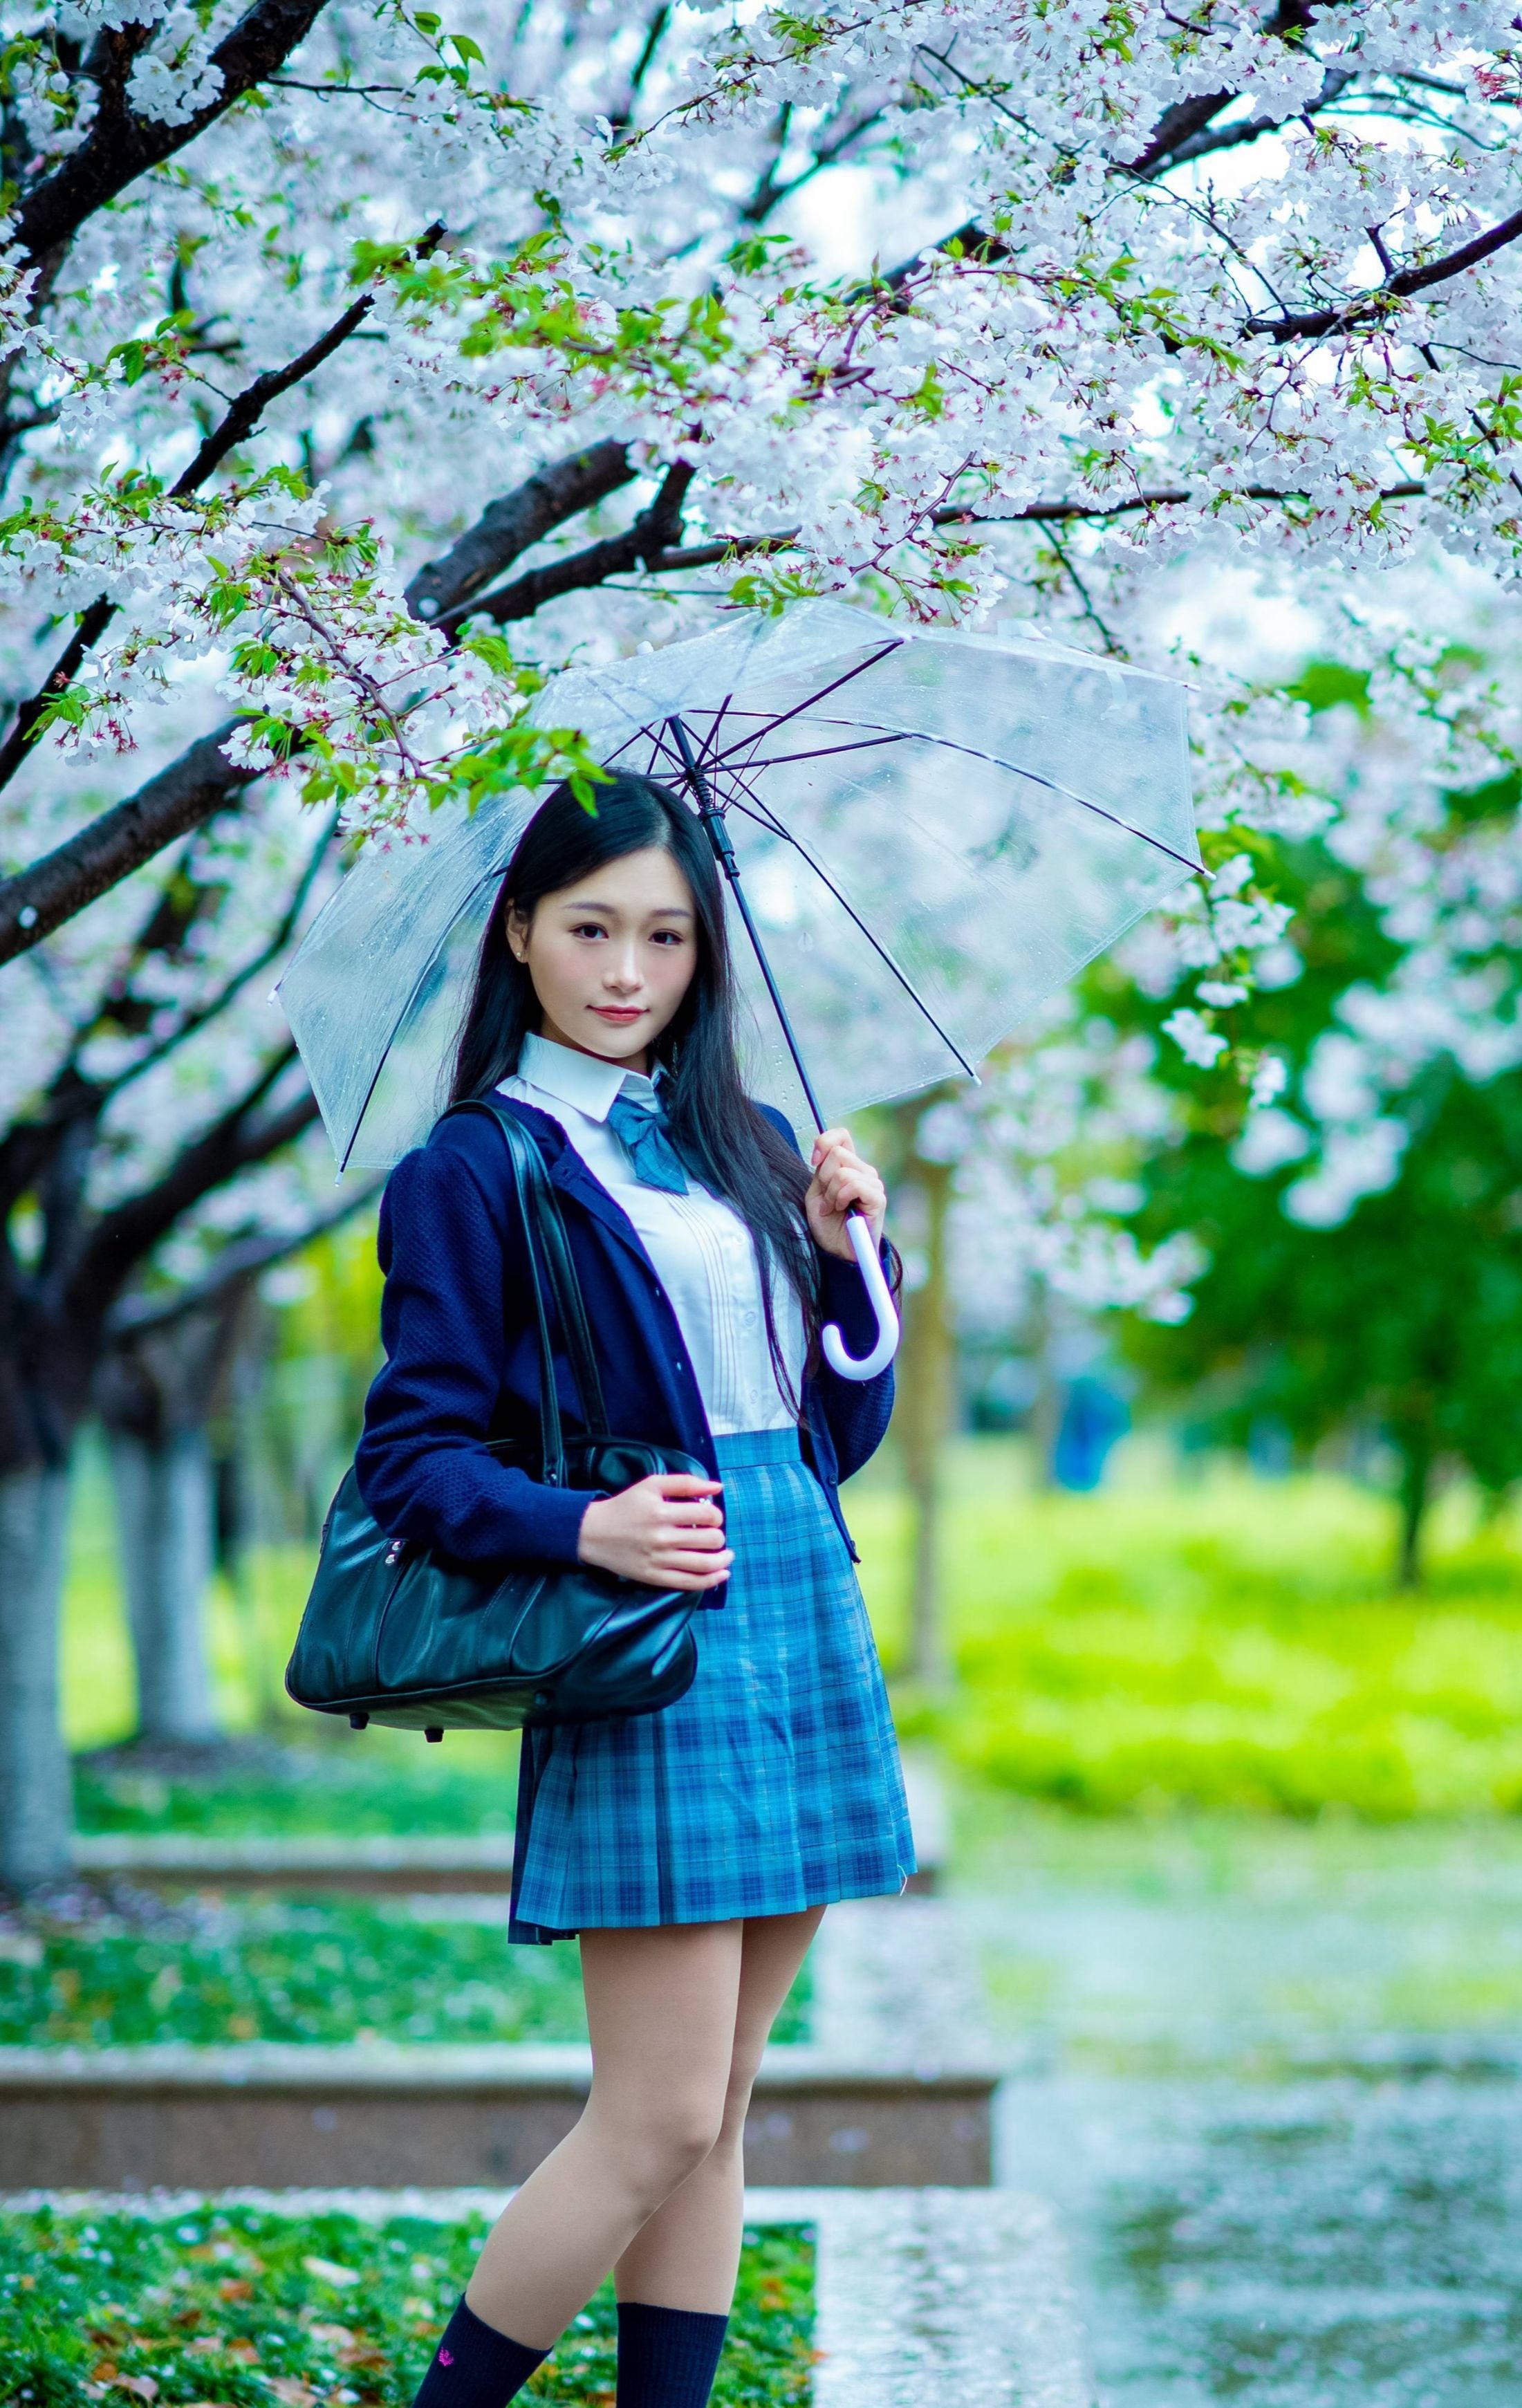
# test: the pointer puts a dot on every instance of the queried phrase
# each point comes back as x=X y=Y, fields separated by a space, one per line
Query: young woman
x=693 y=1851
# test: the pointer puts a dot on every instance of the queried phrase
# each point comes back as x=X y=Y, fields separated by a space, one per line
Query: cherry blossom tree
x=338 y=341
x=1360 y=1198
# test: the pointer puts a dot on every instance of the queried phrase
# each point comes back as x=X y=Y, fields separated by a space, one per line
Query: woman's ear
x=517 y=923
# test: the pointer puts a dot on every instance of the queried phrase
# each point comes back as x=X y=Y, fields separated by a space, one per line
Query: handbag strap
x=544 y=1233
x=570 y=1305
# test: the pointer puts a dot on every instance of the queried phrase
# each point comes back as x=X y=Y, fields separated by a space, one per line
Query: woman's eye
x=590 y=929
x=667 y=937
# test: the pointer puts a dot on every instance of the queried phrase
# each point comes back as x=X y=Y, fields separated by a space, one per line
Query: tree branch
x=1180 y=132
x=1209 y=141
x=193 y=789
x=1176 y=127
x=772 y=190
x=1307 y=325
x=248 y=407
x=204 y=1013
x=508 y=526
x=622 y=117
x=242 y=1260
x=236 y=1141
x=650 y=534
x=120 y=146
x=91 y=625
x=1310 y=324
x=580 y=570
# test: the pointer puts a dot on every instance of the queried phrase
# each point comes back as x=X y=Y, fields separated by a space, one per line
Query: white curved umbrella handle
x=865 y=1249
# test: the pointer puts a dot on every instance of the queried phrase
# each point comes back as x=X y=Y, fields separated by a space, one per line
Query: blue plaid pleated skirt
x=773 y=1786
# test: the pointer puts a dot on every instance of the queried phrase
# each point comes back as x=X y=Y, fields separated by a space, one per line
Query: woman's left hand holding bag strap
x=395 y=1634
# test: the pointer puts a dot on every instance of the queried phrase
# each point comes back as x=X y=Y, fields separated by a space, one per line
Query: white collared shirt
x=702 y=1251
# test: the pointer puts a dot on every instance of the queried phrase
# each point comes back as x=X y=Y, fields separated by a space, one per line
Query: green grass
x=333 y=1972
x=242 y=2306
x=206 y=1975
x=365 y=1786
x=1230 y=1643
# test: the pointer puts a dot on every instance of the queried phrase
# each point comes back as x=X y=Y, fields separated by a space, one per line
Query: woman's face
x=611 y=956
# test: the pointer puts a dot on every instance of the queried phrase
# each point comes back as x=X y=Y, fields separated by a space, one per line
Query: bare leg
x=687 y=2253
x=661 y=2007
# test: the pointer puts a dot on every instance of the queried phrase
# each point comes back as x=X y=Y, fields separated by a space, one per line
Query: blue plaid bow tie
x=641 y=1130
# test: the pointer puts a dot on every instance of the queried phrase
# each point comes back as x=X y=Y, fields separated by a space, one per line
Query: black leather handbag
x=394 y=1633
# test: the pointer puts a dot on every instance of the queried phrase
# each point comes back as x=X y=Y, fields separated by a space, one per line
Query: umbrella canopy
x=935 y=831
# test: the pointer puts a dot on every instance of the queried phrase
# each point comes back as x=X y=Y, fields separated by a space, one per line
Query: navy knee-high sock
x=475 y=2366
x=666 y=2357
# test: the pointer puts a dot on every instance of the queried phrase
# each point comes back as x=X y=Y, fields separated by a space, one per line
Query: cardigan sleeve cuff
x=557 y=1522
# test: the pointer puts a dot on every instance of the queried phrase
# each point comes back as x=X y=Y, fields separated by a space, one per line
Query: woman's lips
x=622 y=1012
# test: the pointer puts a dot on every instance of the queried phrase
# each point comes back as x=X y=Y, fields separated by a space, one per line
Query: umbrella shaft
x=724 y=852
x=731 y=871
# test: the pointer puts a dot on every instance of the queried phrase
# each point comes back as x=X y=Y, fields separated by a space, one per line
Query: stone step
x=479 y=1867
x=280 y=2114
x=174 y=1860
x=924 y=2299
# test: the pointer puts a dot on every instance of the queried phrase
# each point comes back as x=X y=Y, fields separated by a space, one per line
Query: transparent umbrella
x=926 y=833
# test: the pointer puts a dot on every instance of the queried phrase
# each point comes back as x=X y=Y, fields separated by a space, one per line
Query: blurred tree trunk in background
x=238 y=1472
x=1046 y=1405
x=163 y=1523
x=35 y=1799
x=1413 y=1445
x=157 y=1392
x=920 y=1200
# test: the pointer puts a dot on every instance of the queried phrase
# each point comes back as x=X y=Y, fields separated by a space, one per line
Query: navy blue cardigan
x=462 y=1356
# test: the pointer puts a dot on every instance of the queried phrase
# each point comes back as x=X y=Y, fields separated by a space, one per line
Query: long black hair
x=730 y=1145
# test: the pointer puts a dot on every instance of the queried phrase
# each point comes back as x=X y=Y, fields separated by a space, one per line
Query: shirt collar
x=580 y=1079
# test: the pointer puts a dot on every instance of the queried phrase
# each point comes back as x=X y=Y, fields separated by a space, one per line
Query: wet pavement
x=1271 y=2080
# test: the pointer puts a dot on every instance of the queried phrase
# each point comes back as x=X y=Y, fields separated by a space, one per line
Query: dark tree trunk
x=1414 y=1496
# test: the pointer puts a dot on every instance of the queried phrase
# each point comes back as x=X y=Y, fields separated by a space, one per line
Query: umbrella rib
x=709 y=750
x=783 y=717
x=646 y=734
x=661 y=749
x=823 y=752
x=1052 y=786
x=765 y=818
x=1195 y=869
